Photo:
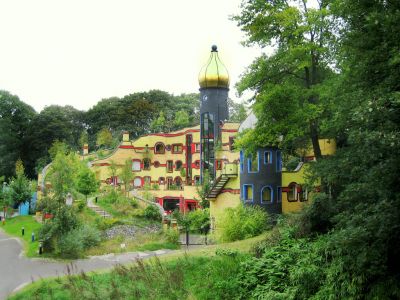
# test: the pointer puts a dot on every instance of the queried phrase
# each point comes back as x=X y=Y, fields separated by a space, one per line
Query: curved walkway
x=16 y=270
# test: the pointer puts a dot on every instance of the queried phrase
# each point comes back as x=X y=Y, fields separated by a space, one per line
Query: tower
x=214 y=88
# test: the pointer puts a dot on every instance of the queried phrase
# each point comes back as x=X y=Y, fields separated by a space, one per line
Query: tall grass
x=185 y=278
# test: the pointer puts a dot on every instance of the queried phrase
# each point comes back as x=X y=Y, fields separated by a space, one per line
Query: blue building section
x=23 y=208
x=261 y=179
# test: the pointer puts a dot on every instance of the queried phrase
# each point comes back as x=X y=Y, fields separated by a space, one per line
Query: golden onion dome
x=213 y=73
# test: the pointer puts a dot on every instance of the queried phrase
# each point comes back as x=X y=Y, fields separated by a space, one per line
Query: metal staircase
x=218 y=186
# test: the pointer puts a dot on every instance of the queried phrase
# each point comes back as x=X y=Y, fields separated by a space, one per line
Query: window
x=292 y=192
x=146 y=163
x=197 y=180
x=197 y=147
x=303 y=195
x=161 y=181
x=178 y=165
x=156 y=164
x=169 y=182
x=137 y=182
x=147 y=180
x=252 y=162
x=278 y=161
x=218 y=164
x=159 y=148
x=248 y=192
x=241 y=159
x=177 y=148
x=136 y=165
x=267 y=194
x=267 y=157
x=170 y=165
x=279 y=194
x=231 y=143
x=178 y=181
x=197 y=164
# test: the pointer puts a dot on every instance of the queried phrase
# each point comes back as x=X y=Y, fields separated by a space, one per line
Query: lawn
x=207 y=273
x=13 y=227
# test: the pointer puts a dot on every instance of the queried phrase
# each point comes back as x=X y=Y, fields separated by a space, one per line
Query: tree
x=20 y=189
x=15 y=122
x=237 y=111
x=104 y=138
x=181 y=119
x=159 y=124
x=86 y=182
x=83 y=139
x=288 y=83
x=113 y=169
x=126 y=174
x=62 y=173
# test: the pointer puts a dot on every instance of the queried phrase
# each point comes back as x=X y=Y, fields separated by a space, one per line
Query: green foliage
x=86 y=182
x=152 y=212
x=241 y=222
x=181 y=119
x=172 y=236
x=20 y=188
x=83 y=139
x=104 y=138
x=126 y=174
x=199 y=220
x=237 y=111
x=204 y=189
x=159 y=124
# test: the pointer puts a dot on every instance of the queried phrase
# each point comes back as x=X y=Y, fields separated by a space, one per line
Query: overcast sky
x=77 y=52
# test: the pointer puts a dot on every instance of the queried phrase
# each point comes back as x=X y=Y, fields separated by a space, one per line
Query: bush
x=103 y=223
x=241 y=222
x=152 y=212
x=134 y=203
x=199 y=220
x=91 y=236
x=70 y=245
x=172 y=236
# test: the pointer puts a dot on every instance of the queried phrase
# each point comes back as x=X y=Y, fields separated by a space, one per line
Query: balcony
x=230 y=170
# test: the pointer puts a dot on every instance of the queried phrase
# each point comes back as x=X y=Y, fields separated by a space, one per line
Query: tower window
x=197 y=147
x=218 y=164
x=159 y=148
x=248 y=192
x=252 y=163
x=267 y=157
x=303 y=195
x=267 y=194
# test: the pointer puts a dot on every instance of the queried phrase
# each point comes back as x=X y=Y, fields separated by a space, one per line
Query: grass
x=142 y=242
x=13 y=227
x=199 y=274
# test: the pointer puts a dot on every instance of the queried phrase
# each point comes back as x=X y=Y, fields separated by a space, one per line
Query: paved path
x=17 y=270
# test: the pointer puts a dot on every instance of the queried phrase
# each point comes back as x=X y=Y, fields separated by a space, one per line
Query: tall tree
x=104 y=138
x=20 y=189
x=287 y=84
x=15 y=121
x=181 y=119
x=86 y=182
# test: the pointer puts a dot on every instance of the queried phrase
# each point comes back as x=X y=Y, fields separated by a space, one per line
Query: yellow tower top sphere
x=213 y=73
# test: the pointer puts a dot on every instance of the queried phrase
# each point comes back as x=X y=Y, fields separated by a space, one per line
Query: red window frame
x=177 y=151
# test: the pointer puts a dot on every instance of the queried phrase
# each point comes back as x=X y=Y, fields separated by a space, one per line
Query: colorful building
x=171 y=166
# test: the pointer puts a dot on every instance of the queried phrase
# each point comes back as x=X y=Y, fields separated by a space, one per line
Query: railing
x=230 y=170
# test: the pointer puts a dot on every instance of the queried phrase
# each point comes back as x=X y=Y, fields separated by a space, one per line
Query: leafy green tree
x=104 y=138
x=62 y=174
x=20 y=189
x=288 y=83
x=204 y=189
x=159 y=124
x=15 y=123
x=181 y=119
x=83 y=139
x=86 y=182
x=237 y=111
x=126 y=174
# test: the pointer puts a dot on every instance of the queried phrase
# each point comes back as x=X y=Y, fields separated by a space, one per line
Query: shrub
x=91 y=236
x=241 y=222
x=172 y=236
x=152 y=212
x=199 y=220
x=80 y=205
x=134 y=203
x=103 y=223
x=70 y=245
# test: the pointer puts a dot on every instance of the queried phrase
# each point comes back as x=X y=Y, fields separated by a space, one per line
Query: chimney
x=125 y=136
